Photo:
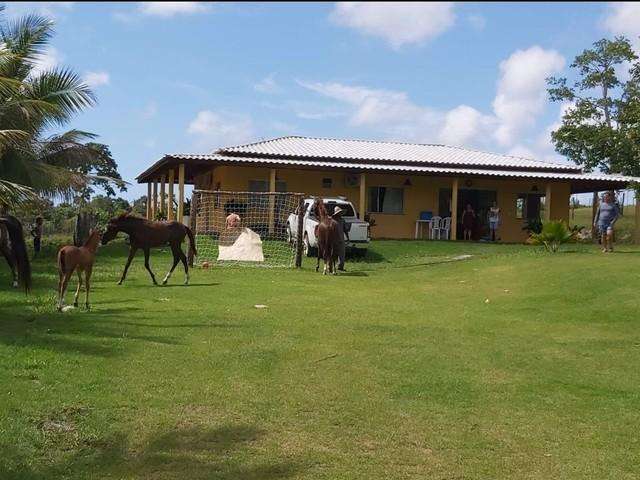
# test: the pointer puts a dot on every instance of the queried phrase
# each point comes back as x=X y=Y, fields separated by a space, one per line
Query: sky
x=191 y=77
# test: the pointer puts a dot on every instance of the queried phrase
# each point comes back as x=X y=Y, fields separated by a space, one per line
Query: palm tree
x=32 y=102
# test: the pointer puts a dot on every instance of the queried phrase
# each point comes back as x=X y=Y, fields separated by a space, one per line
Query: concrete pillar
x=454 y=209
x=272 y=200
x=170 y=211
x=180 y=192
x=547 y=203
x=154 y=200
x=163 y=197
x=149 y=202
x=362 y=206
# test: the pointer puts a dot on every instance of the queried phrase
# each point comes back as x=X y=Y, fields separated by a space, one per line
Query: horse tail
x=61 y=266
x=192 y=243
x=18 y=250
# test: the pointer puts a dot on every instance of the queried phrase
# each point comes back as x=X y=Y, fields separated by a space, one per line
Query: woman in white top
x=494 y=220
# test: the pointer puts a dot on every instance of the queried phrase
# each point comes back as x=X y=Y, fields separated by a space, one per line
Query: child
x=468 y=219
x=494 y=220
x=36 y=232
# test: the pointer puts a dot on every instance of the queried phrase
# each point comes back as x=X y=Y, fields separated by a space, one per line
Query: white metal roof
x=391 y=152
x=446 y=171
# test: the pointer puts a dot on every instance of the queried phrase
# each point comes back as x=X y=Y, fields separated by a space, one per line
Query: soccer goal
x=244 y=228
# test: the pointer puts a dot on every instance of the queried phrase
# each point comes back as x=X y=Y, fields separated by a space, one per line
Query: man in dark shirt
x=36 y=232
x=343 y=229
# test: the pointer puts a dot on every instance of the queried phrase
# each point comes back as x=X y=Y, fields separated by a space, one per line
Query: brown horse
x=328 y=236
x=146 y=234
x=72 y=258
x=14 y=250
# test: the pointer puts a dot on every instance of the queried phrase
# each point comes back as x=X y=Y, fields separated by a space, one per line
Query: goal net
x=243 y=228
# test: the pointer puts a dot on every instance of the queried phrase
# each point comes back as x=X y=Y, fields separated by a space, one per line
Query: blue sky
x=194 y=76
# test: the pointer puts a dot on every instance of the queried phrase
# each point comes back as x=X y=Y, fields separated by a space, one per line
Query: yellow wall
x=421 y=195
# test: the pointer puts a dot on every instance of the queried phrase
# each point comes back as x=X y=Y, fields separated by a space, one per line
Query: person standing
x=606 y=217
x=343 y=231
x=468 y=221
x=36 y=232
x=494 y=220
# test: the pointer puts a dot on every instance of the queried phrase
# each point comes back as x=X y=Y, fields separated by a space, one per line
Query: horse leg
x=132 y=253
x=64 y=281
x=87 y=278
x=75 y=298
x=176 y=259
x=146 y=265
x=183 y=258
x=7 y=255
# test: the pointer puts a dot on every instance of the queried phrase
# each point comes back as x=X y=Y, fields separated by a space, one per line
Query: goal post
x=246 y=228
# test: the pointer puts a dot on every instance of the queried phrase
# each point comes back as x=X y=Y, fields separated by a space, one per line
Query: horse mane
x=321 y=211
x=94 y=233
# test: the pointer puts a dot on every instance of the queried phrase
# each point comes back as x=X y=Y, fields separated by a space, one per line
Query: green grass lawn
x=511 y=364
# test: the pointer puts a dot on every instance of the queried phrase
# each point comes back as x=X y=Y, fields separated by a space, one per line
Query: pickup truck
x=358 y=236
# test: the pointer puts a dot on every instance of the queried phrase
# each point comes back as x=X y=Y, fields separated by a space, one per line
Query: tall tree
x=599 y=129
x=32 y=103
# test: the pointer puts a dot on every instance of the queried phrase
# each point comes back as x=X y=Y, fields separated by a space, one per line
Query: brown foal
x=72 y=258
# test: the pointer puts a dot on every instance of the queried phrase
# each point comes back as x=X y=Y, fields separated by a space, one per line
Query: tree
x=600 y=128
x=32 y=102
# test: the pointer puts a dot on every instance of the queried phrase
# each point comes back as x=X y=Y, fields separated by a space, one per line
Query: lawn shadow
x=353 y=273
x=196 y=453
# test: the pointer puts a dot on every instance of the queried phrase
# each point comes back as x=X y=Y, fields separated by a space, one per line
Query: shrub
x=533 y=225
x=553 y=234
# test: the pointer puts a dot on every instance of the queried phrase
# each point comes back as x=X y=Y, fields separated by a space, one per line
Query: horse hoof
x=88 y=307
x=75 y=304
x=119 y=283
x=15 y=284
x=164 y=282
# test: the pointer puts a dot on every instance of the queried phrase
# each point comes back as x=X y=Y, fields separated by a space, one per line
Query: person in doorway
x=36 y=233
x=494 y=220
x=606 y=216
x=468 y=221
x=343 y=231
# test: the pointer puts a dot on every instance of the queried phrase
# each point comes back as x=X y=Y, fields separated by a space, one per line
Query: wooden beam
x=454 y=209
x=149 y=195
x=170 y=211
x=362 y=205
x=180 y=192
x=272 y=200
x=547 y=203
x=163 y=197
x=154 y=200
x=637 y=235
x=594 y=209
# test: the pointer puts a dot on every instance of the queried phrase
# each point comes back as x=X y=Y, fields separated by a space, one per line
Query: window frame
x=378 y=187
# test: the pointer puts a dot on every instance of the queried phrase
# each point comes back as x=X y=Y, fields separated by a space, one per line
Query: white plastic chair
x=445 y=227
x=434 y=227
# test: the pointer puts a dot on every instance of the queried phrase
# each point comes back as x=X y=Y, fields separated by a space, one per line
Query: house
x=392 y=183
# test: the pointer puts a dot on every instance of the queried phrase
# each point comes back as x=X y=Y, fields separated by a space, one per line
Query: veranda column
x=637 y=235
x=163 y=197
x=180 y=192
x=547 y=203
x=454 y=209
x=154 y=200
x=272 y=199
x=149 y=193
x=362 y=206
x=170 y=215
x=594 y=209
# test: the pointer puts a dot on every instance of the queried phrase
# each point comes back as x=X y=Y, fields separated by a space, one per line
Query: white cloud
x=268 y=85
x=464 y=125
x=214 y=129
x=96 y=79
x=399 y=23
x=394 y=115
x=48 y=9
x=521 y=94
x=478 y=22
x=49 y=59
x=170 y=9
x=623 y=18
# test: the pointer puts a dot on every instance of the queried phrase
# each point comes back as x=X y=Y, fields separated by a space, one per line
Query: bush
x=533 y=225
x=553 y=234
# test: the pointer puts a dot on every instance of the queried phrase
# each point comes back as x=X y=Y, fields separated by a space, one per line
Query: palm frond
x=13 y=194
x=26 y=40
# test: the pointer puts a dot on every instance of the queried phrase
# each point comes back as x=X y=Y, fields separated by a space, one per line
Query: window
x=263 y=186
x=520 y=203
x=327 y=182
x=386 y=200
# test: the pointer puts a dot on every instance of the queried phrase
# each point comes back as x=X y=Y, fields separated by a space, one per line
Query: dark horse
x=14 y=250
x=328 y=236
x=146 y=234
